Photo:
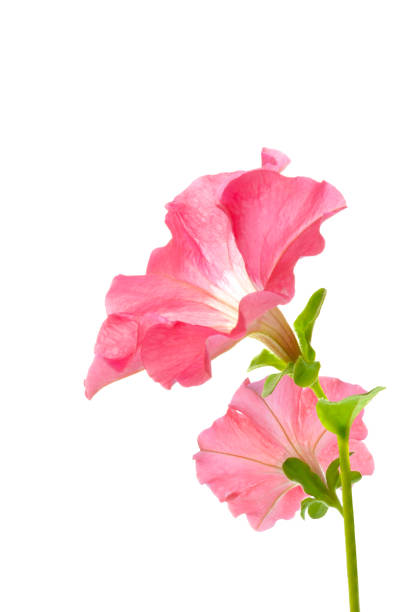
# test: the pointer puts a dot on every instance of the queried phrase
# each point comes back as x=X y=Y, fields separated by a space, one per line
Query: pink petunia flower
x=242 y=453
x=236 y=238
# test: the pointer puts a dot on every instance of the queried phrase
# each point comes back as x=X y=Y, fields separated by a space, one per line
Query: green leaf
x=271 y=382
x=300 y=472
x=305 y=374
x=266 y=358
x=315 y=508
x=305 y=322
x=333 y=475
x=338 y=417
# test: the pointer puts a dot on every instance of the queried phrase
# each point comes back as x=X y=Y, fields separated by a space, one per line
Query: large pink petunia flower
x=236 y=238
x=242 y=453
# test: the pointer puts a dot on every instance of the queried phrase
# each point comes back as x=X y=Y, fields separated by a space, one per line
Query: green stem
x=349 y=527
x=318 y=390
x=347 y=512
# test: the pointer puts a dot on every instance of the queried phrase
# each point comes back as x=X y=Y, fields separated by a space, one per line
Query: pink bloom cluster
x=242 y=453
x=236 y=238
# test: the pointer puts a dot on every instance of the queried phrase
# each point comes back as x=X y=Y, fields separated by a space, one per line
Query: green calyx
x=323 y=492
x=266 y=358
x=322 y=496
x=316 y=509
x=305 y=370
x=270 y=383
x=333 y=477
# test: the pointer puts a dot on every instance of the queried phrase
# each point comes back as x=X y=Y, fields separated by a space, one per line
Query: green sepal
x=333 y=475
x=355 y=476
x=271 y=382
x=312 y=484
x=338 y=417
x=305 y=322
x=305 y=374
x=303 y=506
x=266 y=358
x=315 y=508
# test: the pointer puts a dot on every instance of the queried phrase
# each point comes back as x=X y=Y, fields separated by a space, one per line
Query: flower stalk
x=349 y=527
x=347 y=512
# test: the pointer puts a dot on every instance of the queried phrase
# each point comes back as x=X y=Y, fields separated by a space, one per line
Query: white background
x=109 y=109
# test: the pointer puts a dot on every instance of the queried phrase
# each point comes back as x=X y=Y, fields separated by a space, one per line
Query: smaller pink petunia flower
x=241 y=454
x=236 y=238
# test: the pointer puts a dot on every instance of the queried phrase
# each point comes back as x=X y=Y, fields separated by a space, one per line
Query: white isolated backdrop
x=108 y=110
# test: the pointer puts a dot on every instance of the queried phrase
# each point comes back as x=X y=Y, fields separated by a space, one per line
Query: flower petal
x=117 y=337
x=274 y=160
x=203 y=251
x=276 y=221
x=118 y=349
x=176 y=352
x=278 y=504
x=235 y=461
x=237 y=434
x=361 y=459
x=105 y=371
x=168 y=298
x=308 y=428
x=277 y=415
x=170 y=350
x=250 y=489
x=294 y=411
